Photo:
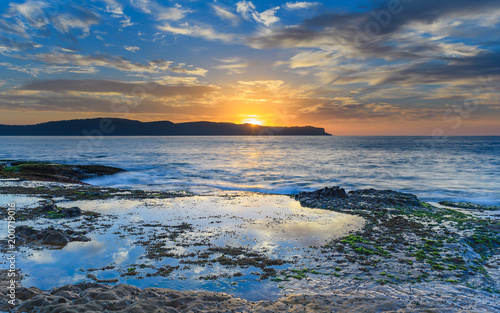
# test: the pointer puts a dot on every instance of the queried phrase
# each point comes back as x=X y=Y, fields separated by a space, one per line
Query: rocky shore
x=408 y=256
x=407 y=240
x=48 y=171
x=90 y=297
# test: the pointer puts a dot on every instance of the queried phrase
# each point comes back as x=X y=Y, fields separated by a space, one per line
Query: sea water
x=452 y=168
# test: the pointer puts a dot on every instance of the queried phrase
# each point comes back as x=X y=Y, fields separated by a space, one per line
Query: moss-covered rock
x=46 y=171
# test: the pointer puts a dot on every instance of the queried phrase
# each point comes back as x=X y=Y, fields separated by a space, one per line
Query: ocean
x=452 y=168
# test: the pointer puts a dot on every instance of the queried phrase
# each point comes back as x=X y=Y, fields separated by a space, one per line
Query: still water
x=274 y=226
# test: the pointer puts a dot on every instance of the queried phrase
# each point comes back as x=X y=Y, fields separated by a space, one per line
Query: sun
x=252 y=120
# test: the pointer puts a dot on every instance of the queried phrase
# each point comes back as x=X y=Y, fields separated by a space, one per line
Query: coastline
x=406 y=255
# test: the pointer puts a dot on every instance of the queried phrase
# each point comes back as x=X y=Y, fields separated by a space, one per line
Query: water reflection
x=276 y=226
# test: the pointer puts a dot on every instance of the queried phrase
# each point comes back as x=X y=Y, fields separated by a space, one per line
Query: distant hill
x=124 y=127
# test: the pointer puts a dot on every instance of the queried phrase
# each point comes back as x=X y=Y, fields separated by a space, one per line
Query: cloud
x=113 y=7
x=142 y=5
x=171 y=14
x=116 y=62
x=35 y=18
x=49 y=69
x=9 y=45
x=132 y=48
x=364 y=34
x=226 y=15
x=298 y=5
x=245 y=8
x=270 y=85
x=126 y=22
x=233 y=65
x=435 y=72
x=335 y=40
x=205 y=32
x=310 y=59
x=160 y=12
x=105 y=96
x=189 y=70
x=140 y=89
x=116 y=10
x=176 y=80
x=248 y=12
x=78 y=17
x=394 y=15
x=267 y=17
x=32 y=12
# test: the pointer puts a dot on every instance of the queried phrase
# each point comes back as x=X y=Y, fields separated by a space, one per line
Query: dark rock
x=49 y=208
x=333 y=192
x=45 y=171
x=24 y=293
x=67 y=294
x=24 y=231
x=366 y=199
x=71 y=212
x=55 y=237
x=48 y=236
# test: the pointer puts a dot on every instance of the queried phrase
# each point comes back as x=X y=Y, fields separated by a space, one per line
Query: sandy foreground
x=261 y=253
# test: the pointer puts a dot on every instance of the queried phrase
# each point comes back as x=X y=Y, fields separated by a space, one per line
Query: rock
x=55 y=237
x=24 y=293
x=65 y=212
x=24 y=231
x=49 y=208
x=48 y=236
x=71 y=212
x=366 y=199
x=333 y=192
x=67 y=294
x=166 y=300
x=45 y=171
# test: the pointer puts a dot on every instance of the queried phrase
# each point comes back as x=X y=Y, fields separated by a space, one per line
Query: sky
x=396 y=67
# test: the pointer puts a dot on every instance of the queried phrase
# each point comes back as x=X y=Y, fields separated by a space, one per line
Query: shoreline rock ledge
x=371 y=199
x=333 y=192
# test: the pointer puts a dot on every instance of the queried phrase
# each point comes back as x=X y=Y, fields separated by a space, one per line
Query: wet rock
x=46 y=171
x=24 y=293
x=53 y=211
x=49 y=208
x=24 y=233
x=386 y=197
x=166 y=300
x=71 y=212
x=55 y=237
x=67 y=295
x=333 y=192
x=48 y=236
x=367 y=199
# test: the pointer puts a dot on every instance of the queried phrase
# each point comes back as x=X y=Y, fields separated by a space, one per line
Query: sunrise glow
x=252 y=120
x=348 y=68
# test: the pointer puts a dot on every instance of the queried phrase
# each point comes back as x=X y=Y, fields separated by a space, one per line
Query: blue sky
x=352 y=67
